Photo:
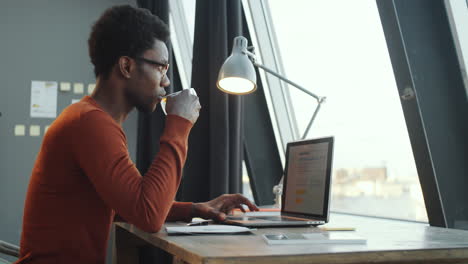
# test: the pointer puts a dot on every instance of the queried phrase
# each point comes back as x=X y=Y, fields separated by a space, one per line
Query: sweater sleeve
x=180 y=211
x=101 y=152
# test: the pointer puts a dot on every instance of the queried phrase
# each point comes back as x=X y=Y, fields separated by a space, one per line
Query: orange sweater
x=83 y=176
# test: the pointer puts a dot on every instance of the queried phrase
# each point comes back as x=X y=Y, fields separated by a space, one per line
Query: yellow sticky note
x=65 y=86
x=91 y=87
x=34 y=131
x=45 y=129
x=78 y=88
x=19 y=130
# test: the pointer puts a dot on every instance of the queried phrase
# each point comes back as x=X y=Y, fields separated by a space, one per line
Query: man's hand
x=184 y=104
x=217 y=209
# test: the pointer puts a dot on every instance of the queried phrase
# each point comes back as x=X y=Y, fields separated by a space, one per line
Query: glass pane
x=458 y=16
x=337 y=49
x=189 y=10
x=246 y=188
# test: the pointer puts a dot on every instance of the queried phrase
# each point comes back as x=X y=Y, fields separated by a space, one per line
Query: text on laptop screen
x=306 y=178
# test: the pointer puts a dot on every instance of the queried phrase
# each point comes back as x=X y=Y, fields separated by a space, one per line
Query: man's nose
x=165 y=82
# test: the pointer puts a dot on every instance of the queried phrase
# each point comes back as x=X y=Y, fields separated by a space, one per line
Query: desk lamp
x=237 y=76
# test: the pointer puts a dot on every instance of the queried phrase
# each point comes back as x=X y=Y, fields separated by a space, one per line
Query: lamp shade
x=237 y=75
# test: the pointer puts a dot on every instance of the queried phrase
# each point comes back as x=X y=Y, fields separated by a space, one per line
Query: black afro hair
x=123 y=31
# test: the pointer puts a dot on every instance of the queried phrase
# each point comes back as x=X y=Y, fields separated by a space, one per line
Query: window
x=182 y=22
x=458 y=16
x=337 y=49
x=246 y=187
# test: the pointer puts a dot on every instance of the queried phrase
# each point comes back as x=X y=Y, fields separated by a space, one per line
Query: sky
x=337 y=49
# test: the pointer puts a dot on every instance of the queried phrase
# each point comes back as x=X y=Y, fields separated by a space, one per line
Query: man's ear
x=125 y=66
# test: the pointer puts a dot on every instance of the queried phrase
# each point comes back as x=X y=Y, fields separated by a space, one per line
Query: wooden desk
x=388 y=241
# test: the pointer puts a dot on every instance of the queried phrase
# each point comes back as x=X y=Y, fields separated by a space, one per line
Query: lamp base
x=278 y=191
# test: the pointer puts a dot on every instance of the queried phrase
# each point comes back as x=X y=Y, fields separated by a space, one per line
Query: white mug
x=164 y=99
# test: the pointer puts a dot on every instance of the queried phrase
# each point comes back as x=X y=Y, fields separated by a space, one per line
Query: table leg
x=125 y=249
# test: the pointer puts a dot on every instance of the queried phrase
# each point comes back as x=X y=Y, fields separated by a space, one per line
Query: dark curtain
x=214 y=164
x=151 y=125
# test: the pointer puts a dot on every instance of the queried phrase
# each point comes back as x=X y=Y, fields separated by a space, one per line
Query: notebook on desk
x=306 y=187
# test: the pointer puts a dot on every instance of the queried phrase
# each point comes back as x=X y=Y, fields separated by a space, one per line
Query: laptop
x=306 y=188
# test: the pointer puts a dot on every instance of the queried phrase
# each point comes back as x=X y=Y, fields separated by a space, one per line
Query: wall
x=39 y=40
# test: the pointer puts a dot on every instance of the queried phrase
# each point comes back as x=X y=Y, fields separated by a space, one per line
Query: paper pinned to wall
x=65 y=86
x=78 y=88
x=34 y=130
x=91 y=88
x=19 y=130
x=44 y=99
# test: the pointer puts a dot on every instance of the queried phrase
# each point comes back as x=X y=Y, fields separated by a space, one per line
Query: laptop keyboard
x=267 y=218
x=277 y=218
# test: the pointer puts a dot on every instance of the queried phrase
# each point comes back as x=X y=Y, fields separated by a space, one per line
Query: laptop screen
x=307 y=177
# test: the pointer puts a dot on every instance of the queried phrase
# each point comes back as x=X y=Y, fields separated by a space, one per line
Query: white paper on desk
x=207 y=229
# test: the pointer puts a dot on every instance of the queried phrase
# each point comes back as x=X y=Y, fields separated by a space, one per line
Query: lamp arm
x=287 y=81
x=313 y=117
x=258 y=65
x=319 y=99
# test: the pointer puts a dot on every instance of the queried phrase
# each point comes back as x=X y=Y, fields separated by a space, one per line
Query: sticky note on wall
x=78 y=88
x=91 y=87
x=19 y=130
x=65 y=87
x=34 y=130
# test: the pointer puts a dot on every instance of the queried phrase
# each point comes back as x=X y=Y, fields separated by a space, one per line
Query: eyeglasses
x=163 y=67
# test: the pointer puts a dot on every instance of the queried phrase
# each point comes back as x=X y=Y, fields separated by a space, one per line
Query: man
x=83 y=176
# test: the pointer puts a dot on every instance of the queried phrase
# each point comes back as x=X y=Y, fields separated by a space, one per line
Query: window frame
x=459 y=24
x=426 y=63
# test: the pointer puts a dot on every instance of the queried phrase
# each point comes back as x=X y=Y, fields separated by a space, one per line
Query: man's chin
x=149 y=108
